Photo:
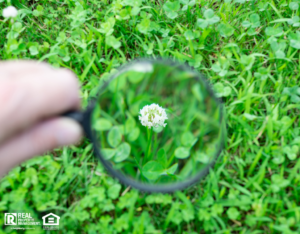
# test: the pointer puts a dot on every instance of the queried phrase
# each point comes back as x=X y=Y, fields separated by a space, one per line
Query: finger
x=12 y=68
x=33 y=96
x=41 y=138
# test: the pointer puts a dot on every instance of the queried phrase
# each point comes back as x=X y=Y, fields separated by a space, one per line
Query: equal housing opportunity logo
x=50 y=221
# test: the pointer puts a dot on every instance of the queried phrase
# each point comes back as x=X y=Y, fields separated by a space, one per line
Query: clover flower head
x=10 y=12
x=153 y=116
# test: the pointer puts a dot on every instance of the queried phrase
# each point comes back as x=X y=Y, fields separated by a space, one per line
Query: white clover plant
x=153 y=116
x=10 y=11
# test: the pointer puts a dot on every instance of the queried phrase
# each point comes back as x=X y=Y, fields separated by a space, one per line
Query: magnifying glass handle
x=75 y=115
x=83 y=118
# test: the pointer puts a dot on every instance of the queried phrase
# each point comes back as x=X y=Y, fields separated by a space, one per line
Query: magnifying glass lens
x=157 y=123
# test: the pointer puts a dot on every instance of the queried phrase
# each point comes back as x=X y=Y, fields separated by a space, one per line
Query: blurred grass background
x=249 y=50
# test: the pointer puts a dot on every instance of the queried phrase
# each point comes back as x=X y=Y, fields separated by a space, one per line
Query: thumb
x=42 y=137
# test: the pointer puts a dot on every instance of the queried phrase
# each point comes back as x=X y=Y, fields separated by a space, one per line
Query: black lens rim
x=167 y=188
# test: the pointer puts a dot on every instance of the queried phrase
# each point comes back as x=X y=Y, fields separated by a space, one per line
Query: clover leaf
x=225 y=30
x=108 y=153
x=38 y=11
x=262 y=73
x=113 y=42
x=187 y=3
x=253 y=23
x=202 y=157
x=15 y=31
x=162 y=158
x=294 y=40
x=294 y=21
x=114 y=191
x=152 y=170
x=133 y=3
x=182 y=152
x=222 y=91
x=33 y=50
x=124 y=14
x=247 y=61
x=278 y=182
x=221 y=66
x=190 y=35
x=144 y=26
x=107 y=28
x=133 y=134
x=78 y=16
x=129 y=124
x=114 y=137
x=275 y=32
x=233 y=213
x=196 y=62
x=61 y=37
x=122 y=152
x=171 y=9
x=154 y=26
x=210 y=19
x=164 y=32
x=148 y=48
x=171 y=170
x=220 y=69
x=294 y=6
x=188 y=139
x=80 y=43
x=262 y=6
x=278 y=48
x=102 y=124
x=291 y=151
x=135 y=11
x=293 y=93
x=278 y=157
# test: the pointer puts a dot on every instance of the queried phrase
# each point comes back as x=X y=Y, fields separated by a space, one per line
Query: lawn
x=248 y=50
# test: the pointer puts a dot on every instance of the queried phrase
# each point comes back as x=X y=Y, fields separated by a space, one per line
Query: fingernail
x=68 y=132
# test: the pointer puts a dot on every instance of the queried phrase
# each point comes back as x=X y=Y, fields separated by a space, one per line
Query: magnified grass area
x=248 y=50
x=140 y=145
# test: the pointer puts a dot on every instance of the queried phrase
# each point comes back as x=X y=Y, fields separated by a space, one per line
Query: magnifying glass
x=156 y=125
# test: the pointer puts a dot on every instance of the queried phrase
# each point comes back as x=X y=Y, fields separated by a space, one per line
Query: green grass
x=254 y=187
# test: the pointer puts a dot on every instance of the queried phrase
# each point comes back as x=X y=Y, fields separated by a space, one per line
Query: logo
x=10 y=219
x=20 y=219
x=50 y=220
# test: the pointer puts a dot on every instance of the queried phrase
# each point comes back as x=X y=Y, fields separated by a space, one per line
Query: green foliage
x=225 y=30
x=107 y=27
x=293 y=93
x=144 y=26
x=222 y=91
x=182 y=152
x=252 y=24
x=295 y=40
x=122 y=152
x=152 y=170
x=171 y=9
x=114 y=137
x=248 y=47
x=210 y=19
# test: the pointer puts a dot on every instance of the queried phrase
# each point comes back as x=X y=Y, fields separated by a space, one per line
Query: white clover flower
x=153 y=116
x=10 y=12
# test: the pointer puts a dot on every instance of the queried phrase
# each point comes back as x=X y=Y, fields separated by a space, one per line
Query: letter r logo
x=10 y=219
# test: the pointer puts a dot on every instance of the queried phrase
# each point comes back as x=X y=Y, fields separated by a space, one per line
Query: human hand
x=31 y=95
